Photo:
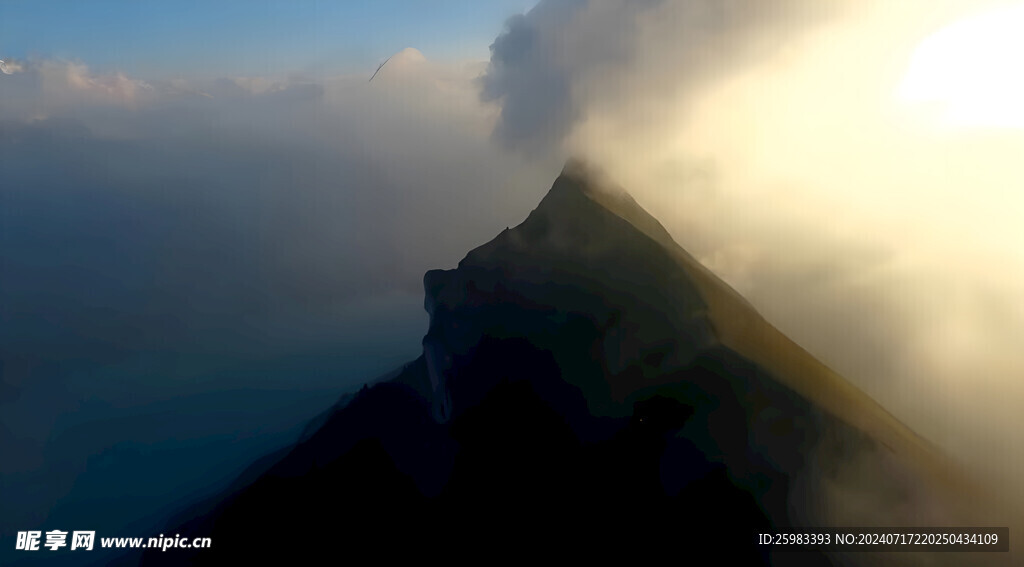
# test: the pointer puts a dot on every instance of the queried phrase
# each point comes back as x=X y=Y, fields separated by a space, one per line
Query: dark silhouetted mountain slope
x=587 y=389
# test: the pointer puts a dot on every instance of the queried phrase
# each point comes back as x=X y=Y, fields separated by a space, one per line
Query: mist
x=770 y=140
x=192 y=269
x=170 y=243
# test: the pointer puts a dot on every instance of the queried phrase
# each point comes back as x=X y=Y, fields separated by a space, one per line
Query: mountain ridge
x=584 y=359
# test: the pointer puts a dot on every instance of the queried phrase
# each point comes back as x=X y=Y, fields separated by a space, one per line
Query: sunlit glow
x=973 y=70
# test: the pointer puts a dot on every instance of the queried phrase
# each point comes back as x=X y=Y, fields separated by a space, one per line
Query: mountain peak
x=587 y=176
x=584 y=177
x=589 y=226
x=582 y=362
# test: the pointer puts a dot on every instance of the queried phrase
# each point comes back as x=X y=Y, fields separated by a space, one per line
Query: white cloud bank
x=768 y=139
x=160 y=235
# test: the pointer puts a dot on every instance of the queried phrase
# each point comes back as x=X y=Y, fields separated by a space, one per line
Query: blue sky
x=257 y=37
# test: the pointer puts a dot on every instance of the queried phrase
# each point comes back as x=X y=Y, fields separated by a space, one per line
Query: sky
x=192 y=37
x=200 y=199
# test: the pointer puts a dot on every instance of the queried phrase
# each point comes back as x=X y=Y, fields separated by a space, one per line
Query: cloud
x=530 y=77
x=563 y=61
x=113 y=88
x=10 y=67
x=767 y=137
x=184 y=206
x=170 y=239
